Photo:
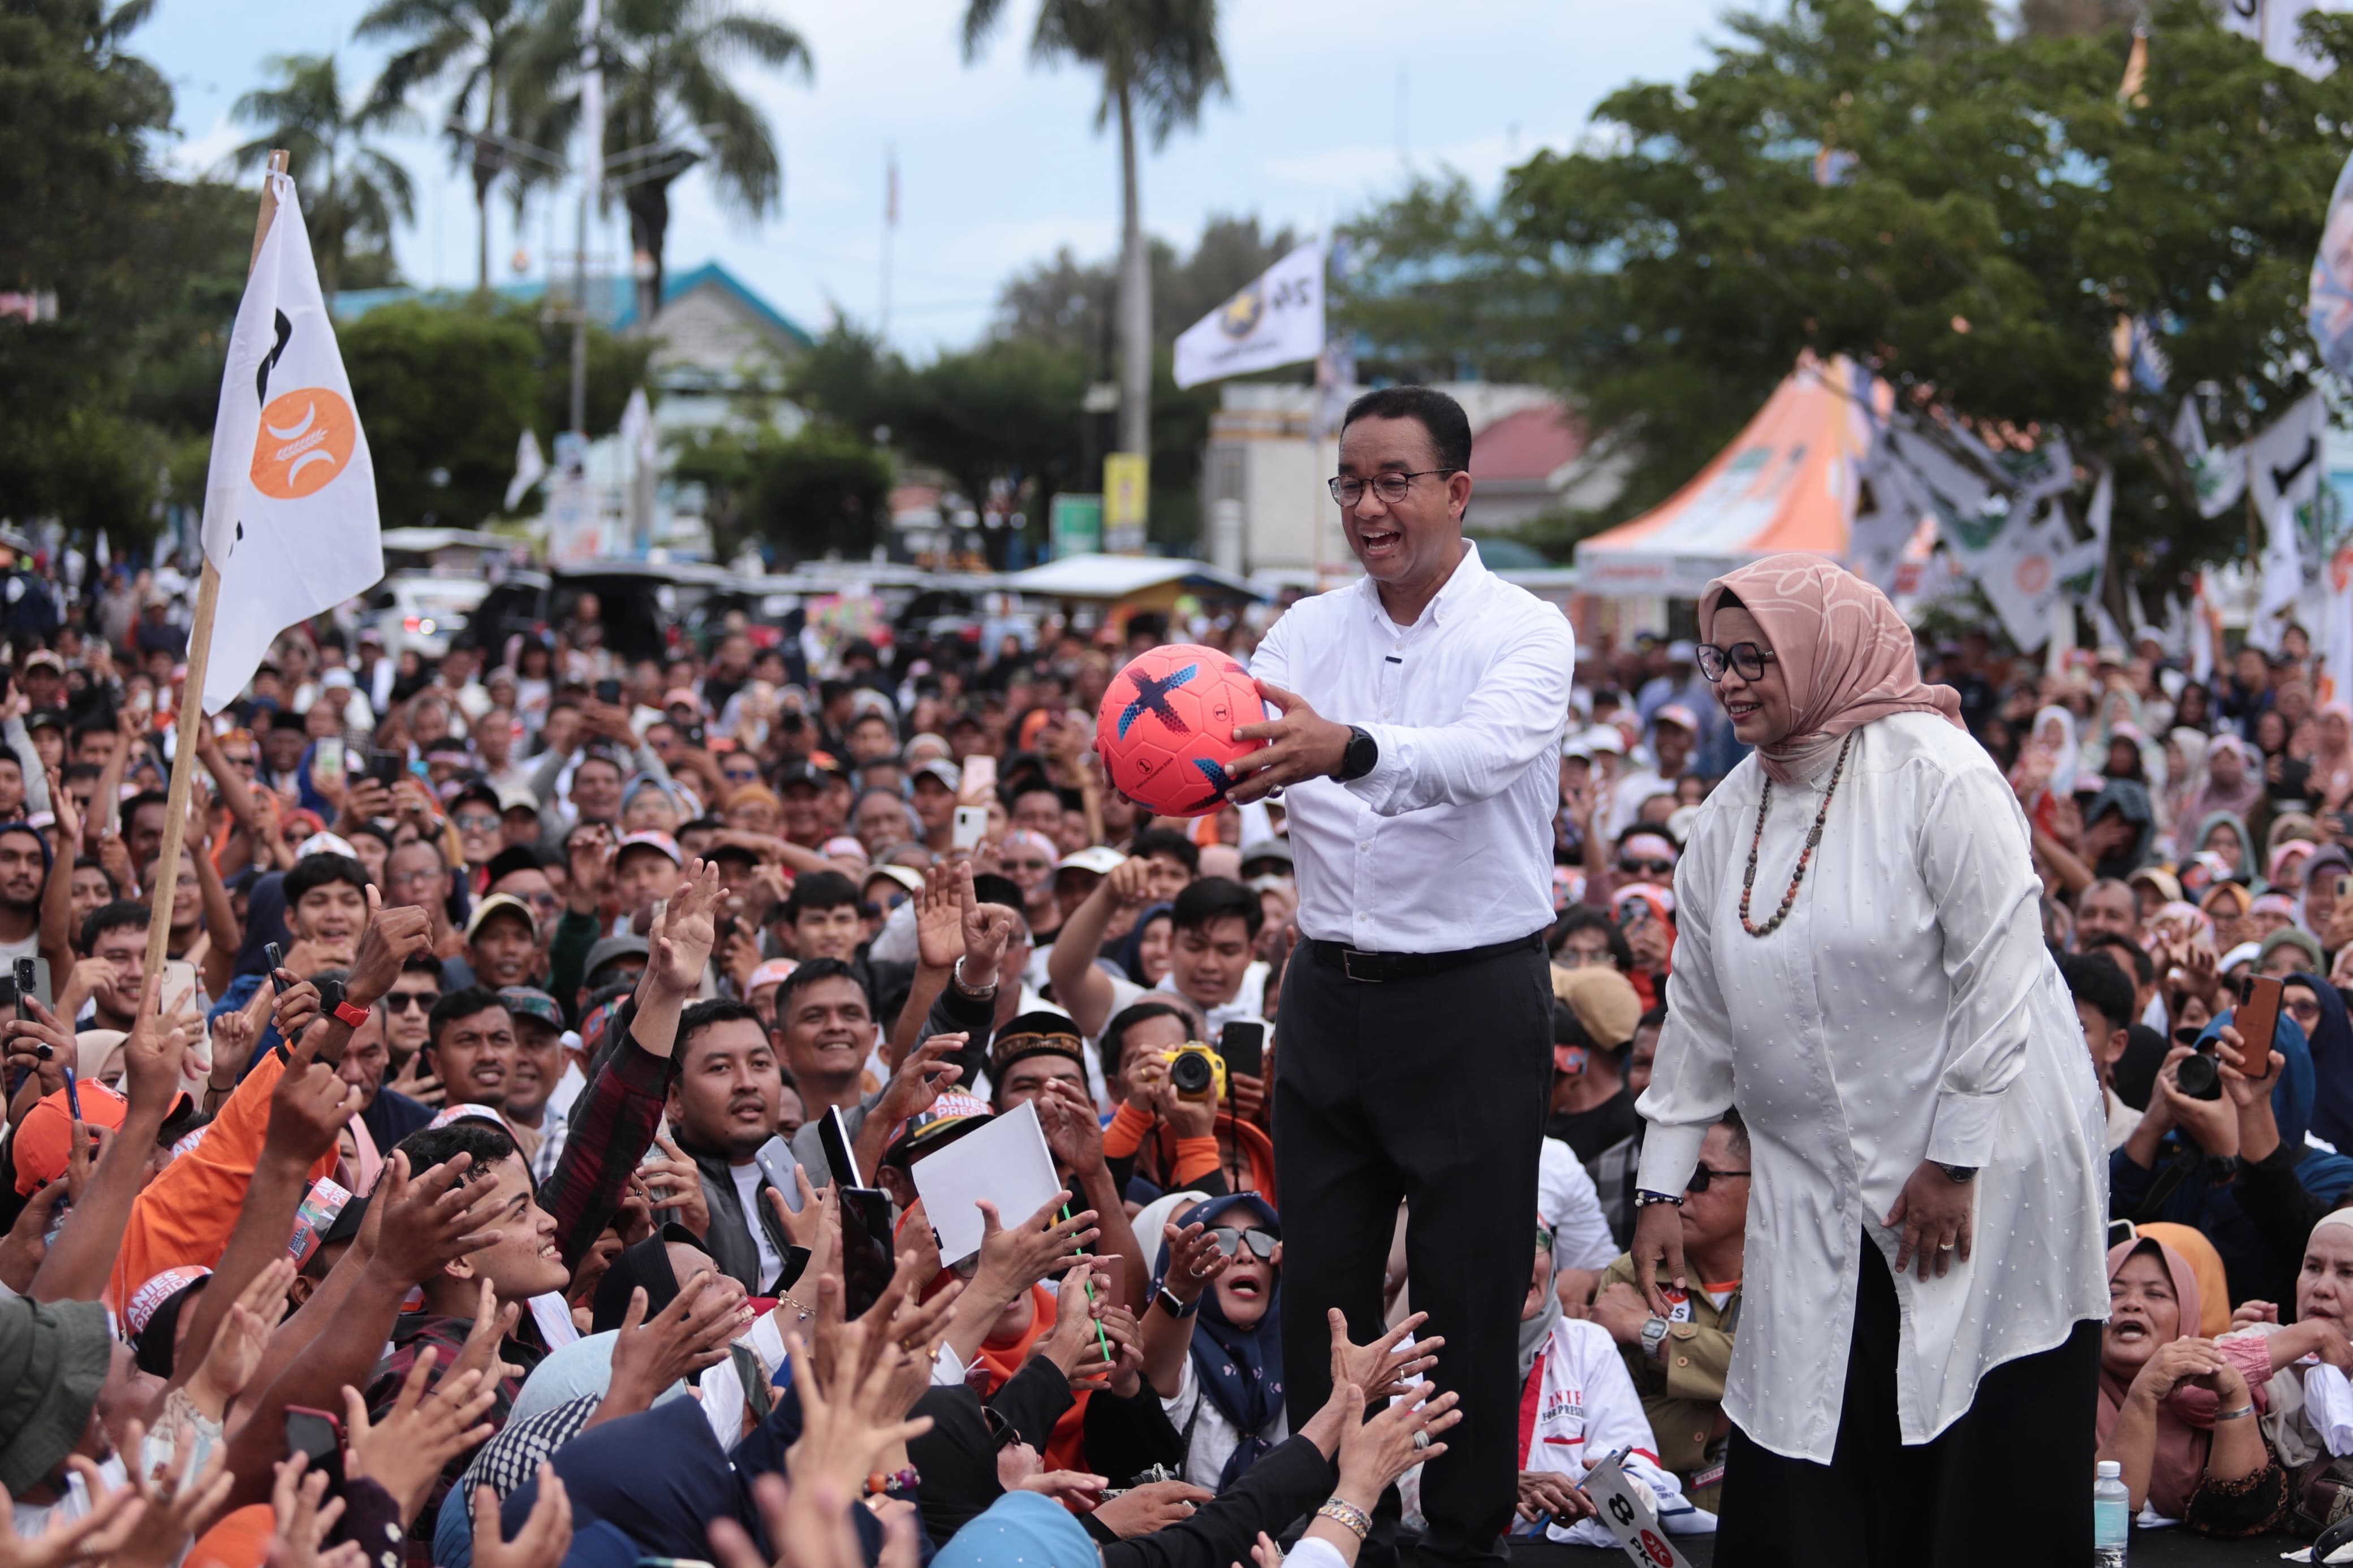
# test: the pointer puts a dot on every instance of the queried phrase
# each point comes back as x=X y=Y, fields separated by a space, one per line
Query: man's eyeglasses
x=1391 y=488
x=1652 y=867
x=475 y=822
x=1571 y=958
x=401 y=1001
x=1230 y=1242
x=1702 y=1178
x=1745 y=658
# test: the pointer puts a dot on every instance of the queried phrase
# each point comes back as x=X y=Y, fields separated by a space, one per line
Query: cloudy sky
x=1332 y=101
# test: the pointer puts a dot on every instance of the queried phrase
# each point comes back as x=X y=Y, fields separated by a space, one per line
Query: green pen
x=1100 y=1340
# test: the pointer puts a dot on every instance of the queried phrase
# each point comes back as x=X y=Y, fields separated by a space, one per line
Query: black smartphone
x=28 y=978
x=867 y=1263
x=73 y=1095
x=695 y=736
x=608 y=691
x=386 y=767
x=1243 y=1046
x=319 y=1436
x=275 y=956
x=833 y=1136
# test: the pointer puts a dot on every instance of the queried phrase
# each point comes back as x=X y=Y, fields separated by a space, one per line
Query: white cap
x=2111 y=1471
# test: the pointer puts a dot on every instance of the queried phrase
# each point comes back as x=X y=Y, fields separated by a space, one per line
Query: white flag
x=2026 y=567
x=2284 y=466
x=2274 y=24
x=530 y=469
x=2282 y=582
x=1276 y=319
x=638 y=427
x=289 y=502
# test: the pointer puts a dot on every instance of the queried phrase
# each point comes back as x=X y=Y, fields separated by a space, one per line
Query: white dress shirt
x=1907 y=1010
x=1447 y=842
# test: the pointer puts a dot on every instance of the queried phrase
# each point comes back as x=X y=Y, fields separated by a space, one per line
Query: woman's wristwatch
x=1644 y=1198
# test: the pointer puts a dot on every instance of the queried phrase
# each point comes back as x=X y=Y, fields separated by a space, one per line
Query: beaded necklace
x=1813 y=838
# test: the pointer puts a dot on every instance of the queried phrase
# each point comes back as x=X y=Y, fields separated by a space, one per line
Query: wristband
x=1347 y=1516
x=2244 y=1410
x=355 y=1016
x=1644 y=1199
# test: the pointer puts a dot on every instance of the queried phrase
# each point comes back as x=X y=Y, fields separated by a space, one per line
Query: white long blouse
x=1907 y=1009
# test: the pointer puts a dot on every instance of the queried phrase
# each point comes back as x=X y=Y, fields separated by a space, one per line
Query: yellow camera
x=1197 y=1070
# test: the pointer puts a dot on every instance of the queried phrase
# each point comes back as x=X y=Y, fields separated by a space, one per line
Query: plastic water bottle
x=2111 y=1516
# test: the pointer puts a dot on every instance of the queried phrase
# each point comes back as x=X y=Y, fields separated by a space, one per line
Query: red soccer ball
x=1167 y=728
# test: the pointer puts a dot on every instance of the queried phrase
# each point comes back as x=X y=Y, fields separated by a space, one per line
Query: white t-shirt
x=1567 y=1201
x=747 y=1188
x=1249 y=1004
x=1214 y=1439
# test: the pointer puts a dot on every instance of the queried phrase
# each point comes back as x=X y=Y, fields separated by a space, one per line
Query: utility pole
x=592 y=115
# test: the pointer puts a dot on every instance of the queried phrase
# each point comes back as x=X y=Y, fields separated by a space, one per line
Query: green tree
x=1995 y=211
x=820 y=490
x=474 y=42
x=351 y=191
x=442 y=394
x=1159 y=62
x=669 y=105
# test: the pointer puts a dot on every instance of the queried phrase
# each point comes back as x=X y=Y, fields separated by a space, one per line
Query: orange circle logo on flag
x=2034 y=573
x=306 y=440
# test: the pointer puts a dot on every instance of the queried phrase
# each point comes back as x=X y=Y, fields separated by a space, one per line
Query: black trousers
x=1432 y=1090
x=2010 y=1482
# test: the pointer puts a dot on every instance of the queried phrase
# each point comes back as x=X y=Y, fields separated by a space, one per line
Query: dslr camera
x=1197 y=1070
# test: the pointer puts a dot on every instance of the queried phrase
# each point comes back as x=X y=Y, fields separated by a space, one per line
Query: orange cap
x=45 y=1138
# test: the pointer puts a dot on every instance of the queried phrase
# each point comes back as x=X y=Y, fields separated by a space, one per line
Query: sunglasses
x=401 y=1001
x=1230 y=1242
x=1704 y=1177
x=1655 y=868
x=475 y=822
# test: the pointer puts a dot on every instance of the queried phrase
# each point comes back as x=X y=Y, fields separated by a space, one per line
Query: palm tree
x=474 y=41
x=1159 y=59
x=668 y=106
x=349 y=188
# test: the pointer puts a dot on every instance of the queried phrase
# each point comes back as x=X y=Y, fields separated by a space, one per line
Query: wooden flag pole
x=190 y=717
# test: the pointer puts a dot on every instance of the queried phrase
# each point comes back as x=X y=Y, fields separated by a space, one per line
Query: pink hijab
x=1845 y=653
x=2185 y=1420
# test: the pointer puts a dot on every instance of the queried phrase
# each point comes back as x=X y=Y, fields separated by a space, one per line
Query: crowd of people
x=478 y=1109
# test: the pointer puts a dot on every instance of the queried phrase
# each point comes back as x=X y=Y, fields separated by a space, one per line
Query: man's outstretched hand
x=1302 y=744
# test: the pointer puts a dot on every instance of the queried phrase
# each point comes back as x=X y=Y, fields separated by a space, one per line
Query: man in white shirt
x=1422 y=714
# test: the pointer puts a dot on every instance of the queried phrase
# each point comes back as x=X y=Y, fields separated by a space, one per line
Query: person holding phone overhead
x=1859 y=969
x=1419 y=748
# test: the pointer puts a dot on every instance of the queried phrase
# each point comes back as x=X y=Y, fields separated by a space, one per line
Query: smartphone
x=318 y=1436
x=608 y=692
x=327 y=760
x=2257 y=1018
x=833 y=1135
x=971 y=826
x=178 y=992
x=979 y=780
x=1244 y=1047
x=775 y=1160
x=2344 y=888
x=275 y=956
x=386 y=767
x=73 y=1094
x=58 y=1217
x=28 y=978
x=867 y=1263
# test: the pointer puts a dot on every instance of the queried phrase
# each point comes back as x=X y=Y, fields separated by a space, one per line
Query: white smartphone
x=327 y=760
x=971 y=826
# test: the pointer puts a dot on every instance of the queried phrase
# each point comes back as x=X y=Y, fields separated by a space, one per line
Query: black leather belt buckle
x=1372 y=968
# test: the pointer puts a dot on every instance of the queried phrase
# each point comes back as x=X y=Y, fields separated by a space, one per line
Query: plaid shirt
x=412 y=1332
x=611 y=1129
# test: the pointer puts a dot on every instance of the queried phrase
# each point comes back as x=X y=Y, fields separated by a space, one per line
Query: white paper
x=1005 y=1163
x=1626 y=1510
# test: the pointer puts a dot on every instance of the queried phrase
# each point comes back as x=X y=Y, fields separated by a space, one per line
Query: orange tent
x=1790 y=481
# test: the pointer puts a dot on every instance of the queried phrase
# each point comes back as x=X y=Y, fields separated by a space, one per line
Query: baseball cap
x=1681 y=652
x=1267 y=849
x=771 y=971
x=906 y=876
x=1100 y=858
x=518 y=798
x=799 y=773
x=42 y=659
x=1604 y=1001
x=608 y=949
x=44 y=1137
x=941 y=770
x=1676 y=713
x=952 y=1115
x=503 y=903
x=324 y=844
x=679 y=697
x=528 y=1001
x=843 y=847
x=652 y=838
x=477 y=789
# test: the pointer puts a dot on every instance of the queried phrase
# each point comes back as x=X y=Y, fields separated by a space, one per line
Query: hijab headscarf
x=2181 y=792
x=2332 y=770
x=646 y=1263
x=1128 y=951
x=2131 y=800
x=1240 y=1369
x=2331 y=1045
x=2328 y=861
x=2237 y=801
x=659 y=1477
x=2185 y=1419
x=2067 y=754
x=1535 y=1331
x=265 y=923
x=1845 y=654
x=2205 y=1267
x=2248 y=868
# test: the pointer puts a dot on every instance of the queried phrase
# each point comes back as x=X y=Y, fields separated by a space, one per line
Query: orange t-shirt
x=186 y=1214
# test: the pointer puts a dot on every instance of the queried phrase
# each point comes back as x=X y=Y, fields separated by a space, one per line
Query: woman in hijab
x=2117 y=827
x=2177 y=1411
x=1829 y=881
x=2317 y=906
x=2309 y=1419
x=2054 y=731
x=2234 y=784
x=2227 y=906
x=1220 y=1381
x=2320 y=1013
x=1143 y=953
x=2185 y=783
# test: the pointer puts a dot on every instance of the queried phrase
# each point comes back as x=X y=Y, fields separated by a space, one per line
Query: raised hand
x=391 y=939
x=154 y=1054
x=309 y=1106
x=1375 y=1453
x=545 y=1537
x=674 y=1182
x=689 y=928
x=940 y=907
x=590 y=853
x=294 y=1009
x=406 y=1451
x=303 y=1514
x=65 y=1541
x=849 y=1421
x=242 y=1336
x=1382 y=1367
x=690 y=1335
x=1011 y=1261
x=423 y=1225
x=1194 y=1261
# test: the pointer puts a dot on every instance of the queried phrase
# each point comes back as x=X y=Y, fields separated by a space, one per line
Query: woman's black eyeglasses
x=1744 y=656
x=1229 y=1242
x=1701 y=1178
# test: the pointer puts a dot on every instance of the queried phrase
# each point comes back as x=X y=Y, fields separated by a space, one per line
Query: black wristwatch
x=1168 y=1302
x=1362 y=756
x=1961 y=1175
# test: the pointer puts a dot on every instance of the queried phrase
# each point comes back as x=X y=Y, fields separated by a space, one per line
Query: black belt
x=1377 y=968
